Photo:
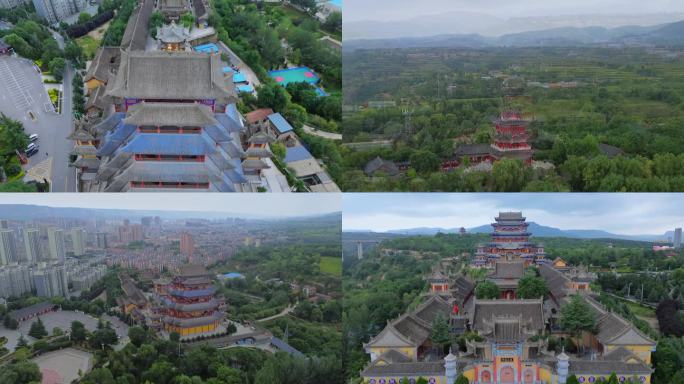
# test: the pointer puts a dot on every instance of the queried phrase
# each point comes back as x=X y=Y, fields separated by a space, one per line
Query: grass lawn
x=89 y=46
x=331 y=265
x=640 y=310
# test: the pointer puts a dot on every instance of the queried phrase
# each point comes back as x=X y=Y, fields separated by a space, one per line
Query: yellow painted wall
x=410 y=352
x=469 y=374
x=92 y=84
x=191 y=330
x=545 y=375
x=641 y=351
x=586 y=377
x=438 y=379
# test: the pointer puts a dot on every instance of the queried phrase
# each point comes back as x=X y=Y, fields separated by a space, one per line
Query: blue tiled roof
x=230 y=120
x=207 y=48
x=169 y=144
x=285 y=347
x=245 y=88
x=280 y=123
x=297 y=153
x=114 y=138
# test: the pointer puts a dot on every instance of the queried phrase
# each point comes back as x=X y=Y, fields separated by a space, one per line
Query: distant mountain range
x=32 y=212
x=538 y=231
x=670 y=34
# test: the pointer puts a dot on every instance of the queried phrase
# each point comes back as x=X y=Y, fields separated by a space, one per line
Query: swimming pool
x=294 y=75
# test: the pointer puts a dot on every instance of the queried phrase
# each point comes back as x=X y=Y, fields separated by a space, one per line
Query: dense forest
x=579 y=101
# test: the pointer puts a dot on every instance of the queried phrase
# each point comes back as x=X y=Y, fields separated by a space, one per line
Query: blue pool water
x=336 y=2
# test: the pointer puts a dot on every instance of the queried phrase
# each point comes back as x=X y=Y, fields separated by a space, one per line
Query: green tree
x=272 y=96
x=99 y=376
x=57 y=66
x=137 y=335
x=461 y=379
x=9 y=322
x=424 y=161
x=439 y=334
x=78 y=332
x=487 y=290
x=577 y=316
x=103 y=336
x=38 y=330
x=187 y=20
x=156 y=21
x=572 y=380
x=161 y=372
x=20 y=373
x=613 y=379
x=334 y=22
x=83 y=17
x=73 y=51
x=296 y=115
x=509 y=175
x=12 y=135
x=229 y=375
x=278 y=150
x=21 y=343
x=20 y=46
x=532 y=287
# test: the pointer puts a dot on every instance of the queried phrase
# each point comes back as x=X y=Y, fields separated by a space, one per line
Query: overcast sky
x=619 y=213
x=252 y=204
x=386 y=10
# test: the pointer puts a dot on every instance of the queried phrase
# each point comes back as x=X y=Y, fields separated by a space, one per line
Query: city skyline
x=237 y=205
x=624 y=214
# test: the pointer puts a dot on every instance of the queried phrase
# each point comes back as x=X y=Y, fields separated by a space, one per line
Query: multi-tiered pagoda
x=189 y=305
x=510 y=141
x=175 y=127
x=510 y=241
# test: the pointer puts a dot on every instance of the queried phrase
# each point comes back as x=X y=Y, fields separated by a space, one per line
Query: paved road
x=369 y=144
x=324 y=134
x=21 y=91
x=282 y=313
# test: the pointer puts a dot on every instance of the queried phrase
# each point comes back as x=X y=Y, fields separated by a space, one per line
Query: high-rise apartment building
x=187 y=244
x=8 y=248
x=678 y=238
x=15 y=280
x=32 y=245
x=101 y=240
x=78 y=236
x=51 y=281
x=56 y=244
x=10 y=4
x=56 y=10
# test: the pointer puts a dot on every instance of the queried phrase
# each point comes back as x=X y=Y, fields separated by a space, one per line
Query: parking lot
x=24 y=98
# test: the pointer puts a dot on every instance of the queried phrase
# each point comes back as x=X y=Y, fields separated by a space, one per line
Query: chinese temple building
x=173 y=37
x=189 y=305
x=174 y=127
x=511 y=141
x=510 y=241
x=510 y=346
x=172 y=10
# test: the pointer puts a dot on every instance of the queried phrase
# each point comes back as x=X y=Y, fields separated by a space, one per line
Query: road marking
x=20 y=97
